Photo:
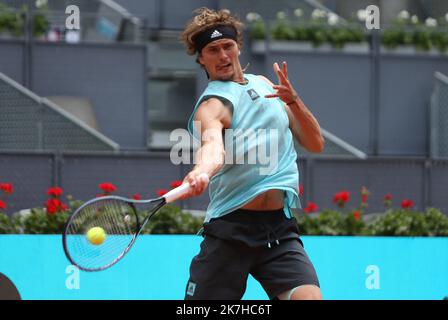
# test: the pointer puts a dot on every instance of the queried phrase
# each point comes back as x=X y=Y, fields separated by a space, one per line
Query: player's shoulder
x=265 y=79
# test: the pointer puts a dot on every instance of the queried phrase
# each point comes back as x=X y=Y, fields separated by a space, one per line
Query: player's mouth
x=223 y=67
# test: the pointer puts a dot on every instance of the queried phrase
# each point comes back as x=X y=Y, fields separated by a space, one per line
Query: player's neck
x=239 y=77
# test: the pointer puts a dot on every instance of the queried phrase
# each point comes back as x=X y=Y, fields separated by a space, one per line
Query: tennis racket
x=101 y=231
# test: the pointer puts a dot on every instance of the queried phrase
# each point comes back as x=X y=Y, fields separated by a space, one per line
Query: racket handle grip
x=183 y=189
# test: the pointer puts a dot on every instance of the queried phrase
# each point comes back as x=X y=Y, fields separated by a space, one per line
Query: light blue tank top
x=253 y=165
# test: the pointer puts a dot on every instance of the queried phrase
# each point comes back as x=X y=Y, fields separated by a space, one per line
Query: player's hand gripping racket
x=100 y=232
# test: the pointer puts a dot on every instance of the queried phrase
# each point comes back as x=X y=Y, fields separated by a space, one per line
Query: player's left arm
x=303 y=124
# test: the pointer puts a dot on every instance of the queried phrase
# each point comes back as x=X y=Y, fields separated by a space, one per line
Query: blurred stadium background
x=72 y=113
x=78 y=108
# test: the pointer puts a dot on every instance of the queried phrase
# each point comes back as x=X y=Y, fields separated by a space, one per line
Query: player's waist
x=254 y=228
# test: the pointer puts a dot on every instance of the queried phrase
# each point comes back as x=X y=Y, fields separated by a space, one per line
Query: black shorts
x=264 y=244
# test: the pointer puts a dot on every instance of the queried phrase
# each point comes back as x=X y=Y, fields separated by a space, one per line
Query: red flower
x=407 y=204
x=52 y=206
x=136 y=196
x=6 y=187
x=301 y=189
x=341 y=198
x=2 y=204
x=55 y=205
x=107 y=187
x=161 y=192
x=356 y=215
x=55 y=192
x=310 y=208
x=175 y=184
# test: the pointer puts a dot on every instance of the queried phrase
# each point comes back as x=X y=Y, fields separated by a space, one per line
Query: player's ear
x=200 y=60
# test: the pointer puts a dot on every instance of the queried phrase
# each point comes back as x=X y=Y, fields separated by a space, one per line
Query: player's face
x=220 y=59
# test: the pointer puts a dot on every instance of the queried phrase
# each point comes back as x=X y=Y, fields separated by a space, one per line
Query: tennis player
x=249 y=227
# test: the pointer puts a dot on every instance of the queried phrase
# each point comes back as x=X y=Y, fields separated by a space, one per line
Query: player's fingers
x=202 y=185
x=281 y=77
x=189 y=179
x=285 y=69
x=194 y=180
x=197 y=186
x=277 y=70
x=273 y=95
x=196 y=191
x=280 y=87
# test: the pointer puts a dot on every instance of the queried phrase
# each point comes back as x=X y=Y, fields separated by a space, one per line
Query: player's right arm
x=211 y=117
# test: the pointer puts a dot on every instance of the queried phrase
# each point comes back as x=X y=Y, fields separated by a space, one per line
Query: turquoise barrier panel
x=157 y=267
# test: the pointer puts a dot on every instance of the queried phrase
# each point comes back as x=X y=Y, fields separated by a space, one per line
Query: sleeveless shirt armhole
x=226 y=102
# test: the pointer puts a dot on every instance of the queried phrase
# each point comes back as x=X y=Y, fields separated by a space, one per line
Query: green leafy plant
x=283 y=30
x=258 y=30
x=404 y=221
x=410 y=31
x=11 y=21
x=331 y=222
x=439 y=39
x=345 y=220
x=398 y=223
x=339 y=36
x=436 y=222
x=321 y=27
x=394 y=222
x=38 y=221
x=354 y=223
x=40 y=25
x=327 y=222
x=5 y=224
x=172 y=220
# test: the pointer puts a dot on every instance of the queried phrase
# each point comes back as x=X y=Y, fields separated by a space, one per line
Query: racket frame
x=169 y=197
x=139 y=227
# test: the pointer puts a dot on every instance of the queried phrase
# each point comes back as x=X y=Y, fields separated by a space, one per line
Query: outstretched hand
x=197 y=183
x=284 y=89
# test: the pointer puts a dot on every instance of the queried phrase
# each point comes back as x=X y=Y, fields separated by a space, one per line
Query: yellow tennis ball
x=96 y=235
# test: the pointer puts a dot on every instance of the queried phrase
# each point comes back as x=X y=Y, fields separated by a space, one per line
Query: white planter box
x=295 y=46
x=259 y=47
x=411 y=50
x=356 y=48
x=6 y=35
x=401 y=50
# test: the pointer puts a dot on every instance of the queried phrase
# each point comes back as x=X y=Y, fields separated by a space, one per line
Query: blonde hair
x=205 y=19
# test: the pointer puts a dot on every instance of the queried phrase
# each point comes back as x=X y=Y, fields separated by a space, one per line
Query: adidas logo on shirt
x=253 y=94
x=216 y=34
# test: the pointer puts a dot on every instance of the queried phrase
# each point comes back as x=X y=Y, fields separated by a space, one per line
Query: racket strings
x=118 y=221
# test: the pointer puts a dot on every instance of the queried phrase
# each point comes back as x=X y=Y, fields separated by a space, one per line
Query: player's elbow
x=317 y=146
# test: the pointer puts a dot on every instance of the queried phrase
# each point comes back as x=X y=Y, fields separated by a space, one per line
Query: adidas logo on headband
x=216 y=34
